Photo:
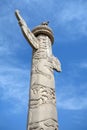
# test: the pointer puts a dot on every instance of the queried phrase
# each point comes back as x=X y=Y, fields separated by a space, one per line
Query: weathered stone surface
x=42 y=113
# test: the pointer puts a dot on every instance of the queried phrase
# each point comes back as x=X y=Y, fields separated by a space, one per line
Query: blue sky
x=68 y=19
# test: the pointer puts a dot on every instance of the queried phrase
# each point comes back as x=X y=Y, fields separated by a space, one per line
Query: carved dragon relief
x=45 y=66
x=48 y=124
x=41 y=95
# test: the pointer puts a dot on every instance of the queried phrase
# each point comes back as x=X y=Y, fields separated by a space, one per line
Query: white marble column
x=42 y=113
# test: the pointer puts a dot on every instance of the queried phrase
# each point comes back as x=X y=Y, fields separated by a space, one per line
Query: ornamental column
x=42 y=113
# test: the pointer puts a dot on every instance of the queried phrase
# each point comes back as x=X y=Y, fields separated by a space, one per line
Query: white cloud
x=42 y=2
x=72 y=90
x=14 y=86
x=71 y=102
x=14 y=78
x=83 y=65
x=72 y=16
x=80 y=65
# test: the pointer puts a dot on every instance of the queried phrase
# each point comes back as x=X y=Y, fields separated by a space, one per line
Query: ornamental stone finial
x=45 y=23
x=42 y=114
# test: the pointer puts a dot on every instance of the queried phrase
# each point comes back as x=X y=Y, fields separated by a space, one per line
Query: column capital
x=43 y=29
